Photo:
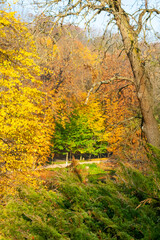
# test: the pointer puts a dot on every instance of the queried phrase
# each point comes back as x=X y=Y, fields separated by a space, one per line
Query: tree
x=25 y=122
x=82 y=131
x=73 y=68
x=130 y=27
x=70 y=67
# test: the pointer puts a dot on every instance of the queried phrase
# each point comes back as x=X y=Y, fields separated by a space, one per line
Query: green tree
x=82 y=131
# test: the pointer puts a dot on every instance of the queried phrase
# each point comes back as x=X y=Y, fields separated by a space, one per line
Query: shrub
x=127 y=208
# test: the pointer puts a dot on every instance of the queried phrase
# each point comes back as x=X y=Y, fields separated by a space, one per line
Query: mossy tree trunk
x=141 y=77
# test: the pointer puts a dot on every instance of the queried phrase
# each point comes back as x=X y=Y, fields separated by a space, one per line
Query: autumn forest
x=79 y=123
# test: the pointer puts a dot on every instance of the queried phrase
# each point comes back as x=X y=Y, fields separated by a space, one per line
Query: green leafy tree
x=83 y=131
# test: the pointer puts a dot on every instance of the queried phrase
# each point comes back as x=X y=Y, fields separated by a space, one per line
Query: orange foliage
x=75 y=68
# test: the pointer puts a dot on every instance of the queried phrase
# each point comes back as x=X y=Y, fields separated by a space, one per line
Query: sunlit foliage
x=81 y=130
x=24 y=123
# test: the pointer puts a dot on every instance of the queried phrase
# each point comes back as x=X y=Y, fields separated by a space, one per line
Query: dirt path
x=63 y=165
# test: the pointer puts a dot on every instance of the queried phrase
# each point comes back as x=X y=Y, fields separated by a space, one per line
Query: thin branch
x=98 y=84
x=140 y=24
x=146 y=4
x=6 y=141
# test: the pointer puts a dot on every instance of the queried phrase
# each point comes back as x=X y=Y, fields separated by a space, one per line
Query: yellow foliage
x=96 y=119
x=90 y=59
x=114 y=120
x=55 y=51
x=85 y=53
x=25 y=125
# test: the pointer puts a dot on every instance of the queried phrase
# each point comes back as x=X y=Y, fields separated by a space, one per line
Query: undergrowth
x=124 y=208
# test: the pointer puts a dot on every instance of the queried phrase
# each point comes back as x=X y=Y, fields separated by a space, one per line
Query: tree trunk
x=142 y=79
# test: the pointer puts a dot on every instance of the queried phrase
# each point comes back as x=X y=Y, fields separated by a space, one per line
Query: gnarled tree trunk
x=141 y=77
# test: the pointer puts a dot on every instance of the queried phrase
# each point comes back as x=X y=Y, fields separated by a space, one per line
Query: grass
x=92 y=168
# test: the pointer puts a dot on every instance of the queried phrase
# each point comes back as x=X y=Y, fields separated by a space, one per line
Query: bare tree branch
x=140 y=19
x=98 y=85
x=7 y=141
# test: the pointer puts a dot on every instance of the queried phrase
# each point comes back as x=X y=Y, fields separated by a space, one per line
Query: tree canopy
x=130 y=27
